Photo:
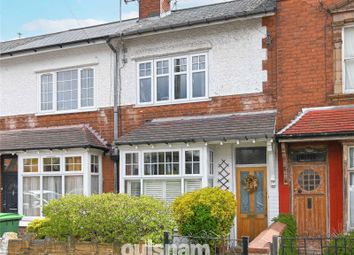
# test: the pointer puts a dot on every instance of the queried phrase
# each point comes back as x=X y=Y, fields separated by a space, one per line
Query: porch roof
x=64 y=137
x=203 y=128
x=321 y=122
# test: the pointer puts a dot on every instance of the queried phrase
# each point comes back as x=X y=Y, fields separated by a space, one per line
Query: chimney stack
x=151 y=8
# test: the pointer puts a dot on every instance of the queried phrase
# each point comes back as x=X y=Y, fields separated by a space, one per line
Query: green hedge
x=289 y=232
x=205 y=212
x=105 y=218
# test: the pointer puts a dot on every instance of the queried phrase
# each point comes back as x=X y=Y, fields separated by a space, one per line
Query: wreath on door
x=250 y=183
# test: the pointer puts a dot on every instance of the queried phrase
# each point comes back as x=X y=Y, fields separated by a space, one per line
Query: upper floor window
x=172 y=79
x=67 y=90
x=349 y=58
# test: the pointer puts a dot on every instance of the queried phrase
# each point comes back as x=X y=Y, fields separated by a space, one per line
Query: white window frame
x=350 y=171
x=152 y=90
x=202 y=176
x=85 y=173
x=189 y=73
x=154 y=81
x=198 y=71
x=55 y=92
x=347 y=91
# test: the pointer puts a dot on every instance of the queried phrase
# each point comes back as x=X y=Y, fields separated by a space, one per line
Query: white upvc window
x=161 y=163
x=163 y=80
x=348 y=59
x=145 y=82
x=164 y=174
x=351 y=188
x=95 y=174
x=192 y=162
x=173 y=80
x=43 y=177
x=67 y=90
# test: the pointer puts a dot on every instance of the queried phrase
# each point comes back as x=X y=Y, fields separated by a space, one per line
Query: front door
x=309 y=198
x=9 y=184
x=251 y=201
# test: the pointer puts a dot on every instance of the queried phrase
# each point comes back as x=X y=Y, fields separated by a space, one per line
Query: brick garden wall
x=44 y=247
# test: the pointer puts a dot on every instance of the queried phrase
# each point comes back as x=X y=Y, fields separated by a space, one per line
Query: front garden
x=119 y=218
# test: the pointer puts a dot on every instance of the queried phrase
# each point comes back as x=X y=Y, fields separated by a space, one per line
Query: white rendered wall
x=234 y=50
x=19 y=76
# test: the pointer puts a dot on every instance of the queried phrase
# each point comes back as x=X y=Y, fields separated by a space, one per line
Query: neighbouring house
x=315 y=42
x=191 y=92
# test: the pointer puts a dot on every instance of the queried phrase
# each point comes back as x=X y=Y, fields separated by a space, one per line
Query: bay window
x=348 y=55
x=351 y=187
x=67 y=90
x=44 y=177
x=171 y=80
x=163 y=174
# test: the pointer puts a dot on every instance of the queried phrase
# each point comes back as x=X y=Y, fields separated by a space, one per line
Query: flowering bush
x=209 y=211
x=105 y=218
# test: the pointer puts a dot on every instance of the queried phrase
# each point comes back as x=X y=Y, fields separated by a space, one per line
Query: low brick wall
x=45 y=247
x=261 y=245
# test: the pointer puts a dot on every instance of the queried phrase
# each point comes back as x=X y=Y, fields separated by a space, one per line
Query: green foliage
x=38 y=227
x=290 y=222
x=107 y=218
x=205 y=212
x=289 y=232
x=341 y=244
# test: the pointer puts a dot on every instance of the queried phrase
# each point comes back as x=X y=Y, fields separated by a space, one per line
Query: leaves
x=107 y=218
x=209 y=211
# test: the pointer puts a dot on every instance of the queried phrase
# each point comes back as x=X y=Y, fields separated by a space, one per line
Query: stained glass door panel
x=252 y=201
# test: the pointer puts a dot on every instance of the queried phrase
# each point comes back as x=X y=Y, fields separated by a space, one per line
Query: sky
x=36 y=17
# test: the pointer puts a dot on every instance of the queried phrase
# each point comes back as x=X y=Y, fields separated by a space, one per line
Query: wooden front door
x=309 y=199
x=251 y=201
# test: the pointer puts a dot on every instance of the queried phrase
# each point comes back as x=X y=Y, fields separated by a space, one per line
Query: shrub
x=205 y=212
x=107 y=218
x=290 y=232
x=290 y=222
x=38 y=227
x=342 y=244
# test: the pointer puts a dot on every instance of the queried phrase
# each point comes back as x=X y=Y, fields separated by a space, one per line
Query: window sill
x=67 y=112
x=172 y=103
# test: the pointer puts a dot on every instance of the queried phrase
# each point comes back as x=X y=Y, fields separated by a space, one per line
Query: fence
x=340 y=245
x=216 y=245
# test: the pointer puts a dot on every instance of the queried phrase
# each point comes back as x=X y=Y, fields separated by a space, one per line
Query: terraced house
x=315 y=109
x=160 y=105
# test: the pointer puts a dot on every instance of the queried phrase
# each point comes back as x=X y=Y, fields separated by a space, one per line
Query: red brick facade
x=306 y=78
x=149 y=8
x=304 y=57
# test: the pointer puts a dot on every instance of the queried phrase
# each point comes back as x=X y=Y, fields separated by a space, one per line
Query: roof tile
x=204 y=128
x=51 y=138
x=319 y=121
